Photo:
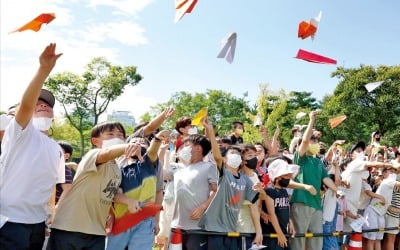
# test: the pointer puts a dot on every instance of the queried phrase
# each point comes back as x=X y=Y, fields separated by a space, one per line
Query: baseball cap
x=47 y=97
x=359 y=144
x=280 y=167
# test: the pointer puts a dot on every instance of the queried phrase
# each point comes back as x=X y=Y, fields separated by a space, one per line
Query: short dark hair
x=106 y=126
x=236 y=123
x=182 y=122
x=66 y=146
x=397 y=153
x=247 y=147
x=227 y=140
x=140 y=125
x=200 y=140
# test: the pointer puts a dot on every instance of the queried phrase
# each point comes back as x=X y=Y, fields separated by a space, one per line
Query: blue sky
x=182 y=56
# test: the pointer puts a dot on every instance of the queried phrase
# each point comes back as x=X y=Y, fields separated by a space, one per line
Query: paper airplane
x=196 y=120
x=373 y=85
x=36 y=23
x=257 y=121
x=300 y=115
x=314 y=58
x=307 y=29
x=334 y=122
x=228 y=47
x=183 y=7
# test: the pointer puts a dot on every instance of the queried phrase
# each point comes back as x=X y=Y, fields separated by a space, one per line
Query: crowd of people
x=136 y=191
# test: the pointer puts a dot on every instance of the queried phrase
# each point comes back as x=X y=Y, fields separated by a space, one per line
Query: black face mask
x=252 y=163
x=377 y=139
x=142 y=152
x=284 y=182
x=322 y=151
x=223 y=151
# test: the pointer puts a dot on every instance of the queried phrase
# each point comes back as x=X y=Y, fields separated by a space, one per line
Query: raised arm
x=156 y=143
x=214 y=145
x=30 y=97
x=158 y=120
x=307 y=134
x=110 y=153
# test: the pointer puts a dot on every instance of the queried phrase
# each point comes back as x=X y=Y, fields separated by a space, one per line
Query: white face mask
x=112 y=142
x=185 y=154
x=192 y=131
x=360 y=155
x=233 y=160
x=42 y=123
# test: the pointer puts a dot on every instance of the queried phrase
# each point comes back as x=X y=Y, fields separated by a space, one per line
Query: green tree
x=223 y=108
x=365 y=111
x=62 y=130
x=84 y=98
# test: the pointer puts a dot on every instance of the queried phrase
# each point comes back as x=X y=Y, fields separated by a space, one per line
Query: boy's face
x=108 y=135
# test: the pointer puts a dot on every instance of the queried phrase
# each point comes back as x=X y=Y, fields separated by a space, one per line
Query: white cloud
x=79 y=38
x=123 y=6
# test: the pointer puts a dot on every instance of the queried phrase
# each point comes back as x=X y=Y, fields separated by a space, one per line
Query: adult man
x=31 y=163
x=306 y=208
x=192 y=186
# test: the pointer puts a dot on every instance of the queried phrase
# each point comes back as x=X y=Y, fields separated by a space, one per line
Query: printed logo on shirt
x=282 y=202
x=111 y=189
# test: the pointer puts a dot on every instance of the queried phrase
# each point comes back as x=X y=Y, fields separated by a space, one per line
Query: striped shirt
x=68 y=180
x=395 y=202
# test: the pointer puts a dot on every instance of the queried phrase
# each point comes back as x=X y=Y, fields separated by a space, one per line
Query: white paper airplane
x=373 y=85
x=228 y=48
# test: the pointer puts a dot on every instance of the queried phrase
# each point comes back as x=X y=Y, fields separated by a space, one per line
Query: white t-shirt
x=353 y=175
x=31 y=165
x=386 y=190
x=364 y=198
x=245 y=223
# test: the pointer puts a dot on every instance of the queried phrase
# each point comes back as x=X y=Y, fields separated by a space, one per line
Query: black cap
x=47 y=97
x=359 y=144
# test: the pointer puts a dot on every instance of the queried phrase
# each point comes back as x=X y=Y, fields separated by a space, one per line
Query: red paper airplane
x=312 y=57
x=36 y=23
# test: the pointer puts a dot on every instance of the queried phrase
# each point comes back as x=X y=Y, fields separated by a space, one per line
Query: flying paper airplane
x=36 y=23
x=196 y=120
x=300 y=115
x=314 y=58
x=228 y=47
x=307 y=29
x=334 y=122
x=373 y=85
x=257 y=121
x=183 y=7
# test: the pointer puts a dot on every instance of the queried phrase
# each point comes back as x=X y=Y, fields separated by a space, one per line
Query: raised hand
x=49 y=57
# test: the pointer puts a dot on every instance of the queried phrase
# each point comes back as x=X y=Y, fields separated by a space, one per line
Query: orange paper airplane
x=334 y=122
x=307 y=29
x=36 y=23
x=183 y=7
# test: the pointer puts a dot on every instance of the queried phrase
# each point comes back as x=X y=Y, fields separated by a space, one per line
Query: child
x=233 y=189
x=277 y=203
x=81 y=216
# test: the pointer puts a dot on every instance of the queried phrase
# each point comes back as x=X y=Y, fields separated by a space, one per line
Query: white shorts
x=391 y=221
x=374 y=221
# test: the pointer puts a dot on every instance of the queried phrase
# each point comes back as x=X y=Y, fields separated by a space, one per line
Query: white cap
x=280 y=167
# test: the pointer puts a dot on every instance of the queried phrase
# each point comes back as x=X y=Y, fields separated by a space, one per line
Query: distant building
x=124 y=117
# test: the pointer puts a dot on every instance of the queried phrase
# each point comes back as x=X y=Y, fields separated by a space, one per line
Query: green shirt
x=311 y=172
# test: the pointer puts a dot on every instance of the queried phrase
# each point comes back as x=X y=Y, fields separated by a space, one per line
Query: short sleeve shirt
x=31 y=165
x=311 y=172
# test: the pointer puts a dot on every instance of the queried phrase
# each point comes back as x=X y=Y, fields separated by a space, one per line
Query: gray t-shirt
x=222 y=214
x=192 y=188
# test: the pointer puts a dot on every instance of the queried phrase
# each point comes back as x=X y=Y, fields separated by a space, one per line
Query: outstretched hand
x=49 y=57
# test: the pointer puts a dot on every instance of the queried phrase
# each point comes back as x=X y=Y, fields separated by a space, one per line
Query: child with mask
x=80 y=220
x=233 y=189
x=306 y=208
